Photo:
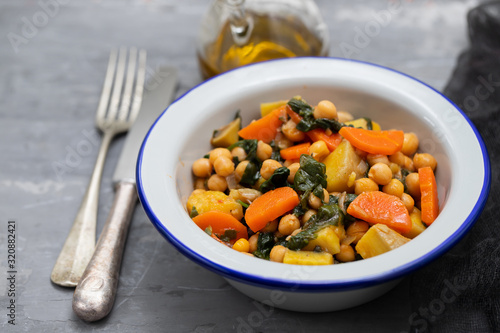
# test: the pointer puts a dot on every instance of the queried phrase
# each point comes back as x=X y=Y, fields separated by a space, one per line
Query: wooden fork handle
x=95 y=294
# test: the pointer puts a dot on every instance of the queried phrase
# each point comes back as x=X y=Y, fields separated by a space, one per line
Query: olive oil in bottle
x=271 y=37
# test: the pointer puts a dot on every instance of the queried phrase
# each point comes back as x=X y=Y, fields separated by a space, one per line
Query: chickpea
x=380 y=173
x=307 y=215
x=239 y=152
x=424 y=160
x=325 y=109
x=293 y=170
x=288 y=224
x=224 y=166
x=202 y=168
x=237 y=212
x=315 y=202
x=277 y=253
x=218 y=152
x=217 y=183
x=282 y=142
x=395 y=187
x=268 y=167
x=408 y=201
x=410 y=144
x=408 y=164
x=264 y=151
x=319 y=150
x=291 y=132
x=240 y=170
x=344 y=116
x=326 y=195
x=377 y=158
x=241 y=245
x=413 y=185
x=271 y=226
x=357 y=229
x=398 y=158
x=365 y=185
x=346 y=253
x=252 y=243
x=199 y=183
x=395 y=168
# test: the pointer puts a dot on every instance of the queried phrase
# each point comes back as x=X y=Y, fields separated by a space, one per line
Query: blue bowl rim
x=364 y=282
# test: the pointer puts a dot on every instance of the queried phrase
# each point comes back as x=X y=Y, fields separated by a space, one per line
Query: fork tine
x=139 y=86
x=117 y=88
x=106 y=90
x=129 y=81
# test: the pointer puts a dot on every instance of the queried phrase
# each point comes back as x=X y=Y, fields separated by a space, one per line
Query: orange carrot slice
x=429 y=201
x=294 y=152
x=332 y=140
x=270 y=206
x=374 y=142
x=265 y=128
x=379 y=207
x=220 y=222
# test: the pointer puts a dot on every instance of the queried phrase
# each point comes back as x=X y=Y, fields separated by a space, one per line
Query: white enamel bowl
x=181 y=135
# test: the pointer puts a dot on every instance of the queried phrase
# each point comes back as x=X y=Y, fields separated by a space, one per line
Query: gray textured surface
x=50 y=81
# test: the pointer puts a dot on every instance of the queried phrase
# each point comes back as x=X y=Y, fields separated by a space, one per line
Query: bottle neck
x=240 y=21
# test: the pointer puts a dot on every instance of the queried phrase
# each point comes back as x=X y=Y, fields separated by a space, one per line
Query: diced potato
x=266 y=108
x=327 y=240
x=307 y=258
x=379 y=239
x=339 y=165
x=227 y=135
x=363 y=123
x=417 y=227
x=214 y=200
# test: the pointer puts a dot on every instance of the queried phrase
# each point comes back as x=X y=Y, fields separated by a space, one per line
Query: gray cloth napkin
x=460 y=292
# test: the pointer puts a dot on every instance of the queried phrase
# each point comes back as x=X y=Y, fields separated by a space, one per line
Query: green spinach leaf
x=369 y=123
x=193 y=212
x=251 y=173
x=228 y=236
x=328 y=214
x=250 y=147
x=310 y=177
x=277 y=179
x=308 y=121
x=265 y=244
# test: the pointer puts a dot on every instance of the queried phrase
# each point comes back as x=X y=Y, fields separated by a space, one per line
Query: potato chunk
x=379 y=239
x=340 y=164
x=417 y=227
x=214 y=200
x=307 y=258
x=327 y=240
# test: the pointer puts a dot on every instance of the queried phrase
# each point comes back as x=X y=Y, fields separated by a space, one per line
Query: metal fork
x=116 y=112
